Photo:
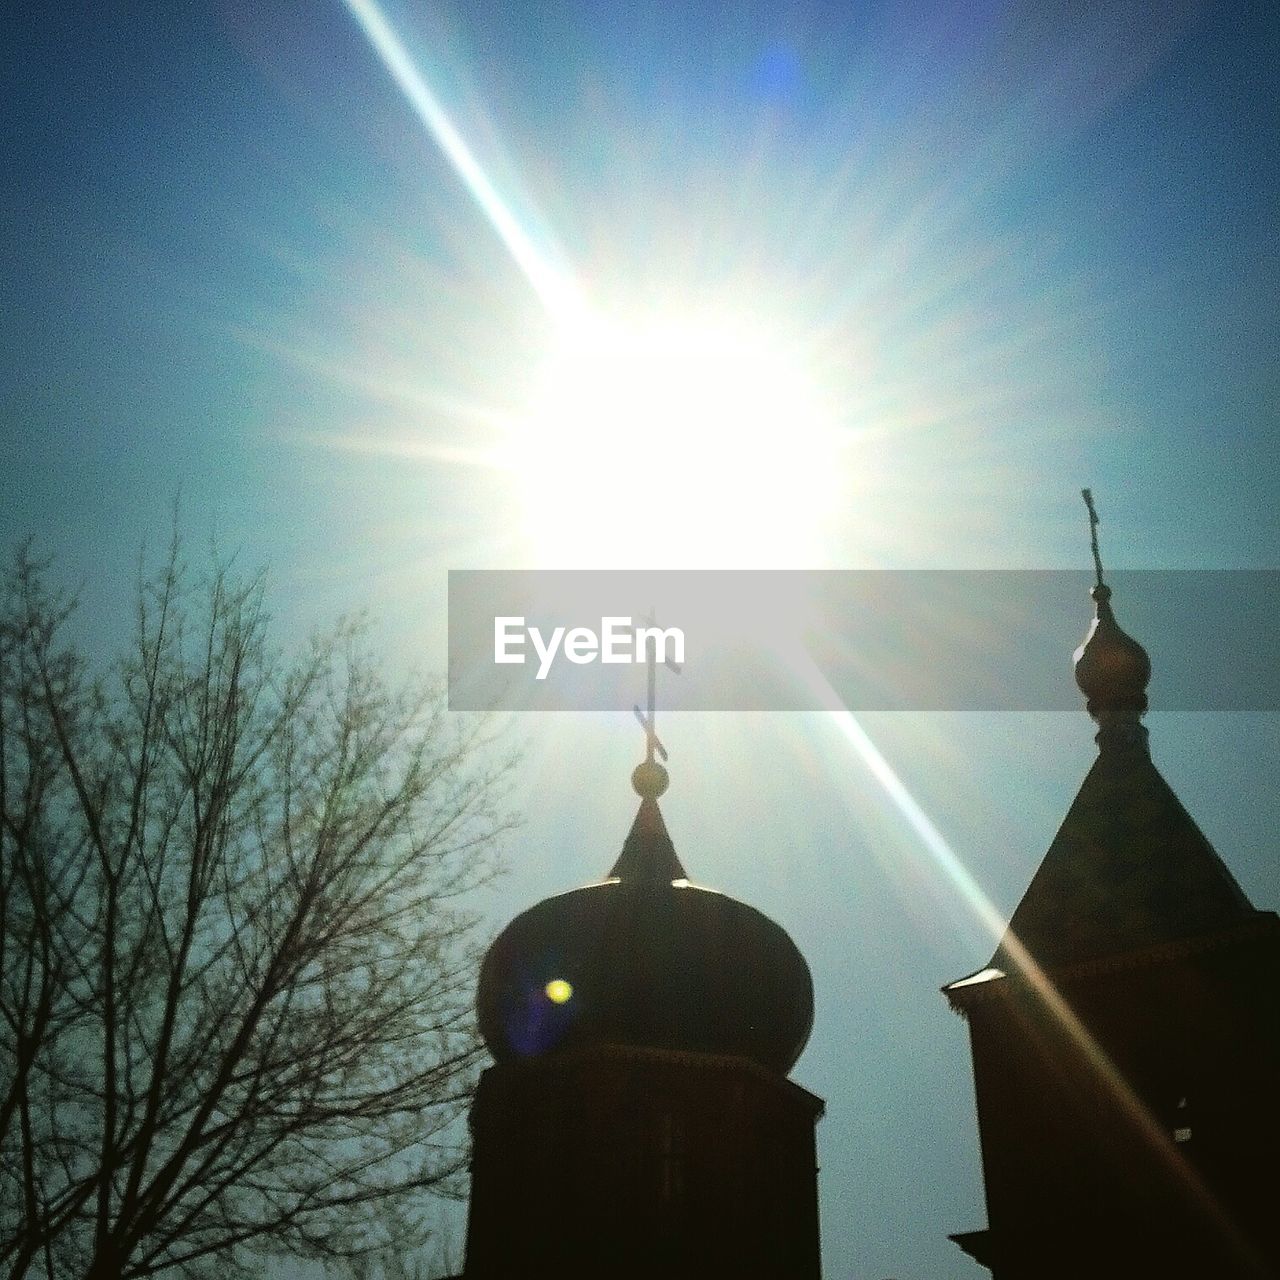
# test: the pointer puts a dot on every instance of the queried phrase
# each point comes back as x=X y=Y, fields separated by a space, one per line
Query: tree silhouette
x=235 y=962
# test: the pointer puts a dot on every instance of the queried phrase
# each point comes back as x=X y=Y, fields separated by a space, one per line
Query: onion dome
x=1129 y=872
x=1112 y=668
x=646 y=959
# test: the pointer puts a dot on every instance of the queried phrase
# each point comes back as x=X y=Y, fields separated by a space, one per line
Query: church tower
x=1126 y=1033
x=638 y=1120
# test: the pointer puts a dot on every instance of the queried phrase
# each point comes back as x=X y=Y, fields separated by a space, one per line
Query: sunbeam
x=949 y=862
x=553 y=285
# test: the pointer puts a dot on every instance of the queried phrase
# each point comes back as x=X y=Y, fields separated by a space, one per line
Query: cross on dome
x=650 y=779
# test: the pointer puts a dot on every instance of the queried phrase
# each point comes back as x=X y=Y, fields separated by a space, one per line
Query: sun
x=664 y=444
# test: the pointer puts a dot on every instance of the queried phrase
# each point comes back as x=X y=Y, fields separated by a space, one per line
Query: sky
x=1011 y=254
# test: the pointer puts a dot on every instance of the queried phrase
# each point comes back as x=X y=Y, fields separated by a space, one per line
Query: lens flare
x=552 y=284
x=559 y=991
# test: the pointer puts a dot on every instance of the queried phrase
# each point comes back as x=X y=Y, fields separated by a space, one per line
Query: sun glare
x=681 y=445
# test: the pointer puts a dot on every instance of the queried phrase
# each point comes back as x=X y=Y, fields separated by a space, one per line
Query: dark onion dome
x=1112 y=668
x=646 y=959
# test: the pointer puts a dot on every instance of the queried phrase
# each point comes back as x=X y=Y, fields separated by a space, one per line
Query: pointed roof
x=647 y=853
x=1128 y=869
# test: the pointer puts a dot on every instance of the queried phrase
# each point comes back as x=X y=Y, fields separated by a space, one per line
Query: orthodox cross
x=649 y=722
x=1087 y=495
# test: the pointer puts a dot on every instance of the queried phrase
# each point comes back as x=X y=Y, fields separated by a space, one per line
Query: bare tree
x=441 y=1259
x=235 y=956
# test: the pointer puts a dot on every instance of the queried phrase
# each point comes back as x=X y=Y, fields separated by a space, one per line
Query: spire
x=1112 y=669
x=647 y=853
x=1129 y=868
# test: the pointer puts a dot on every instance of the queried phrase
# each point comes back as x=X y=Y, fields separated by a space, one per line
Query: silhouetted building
x=1126 y=1033
x=638 y=1120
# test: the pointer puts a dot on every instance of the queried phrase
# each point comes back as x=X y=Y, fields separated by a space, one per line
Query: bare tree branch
x=235 y=956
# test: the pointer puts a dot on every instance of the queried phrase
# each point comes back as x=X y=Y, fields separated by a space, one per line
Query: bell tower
x=1126 y=1033
x=638 y=1120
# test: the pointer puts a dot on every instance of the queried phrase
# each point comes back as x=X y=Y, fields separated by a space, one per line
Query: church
x=1126 y=1032
x=639 y=1119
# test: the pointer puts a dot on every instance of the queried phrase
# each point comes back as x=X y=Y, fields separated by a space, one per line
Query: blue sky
x=1023 y=253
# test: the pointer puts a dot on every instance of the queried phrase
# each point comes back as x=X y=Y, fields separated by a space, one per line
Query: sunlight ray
x=918 y=820
x=380 y=384
x=1045 y=989
x=410 y=448
x=553 y=286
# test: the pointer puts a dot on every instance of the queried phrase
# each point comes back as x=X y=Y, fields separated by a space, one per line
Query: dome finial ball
x=650 y=780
